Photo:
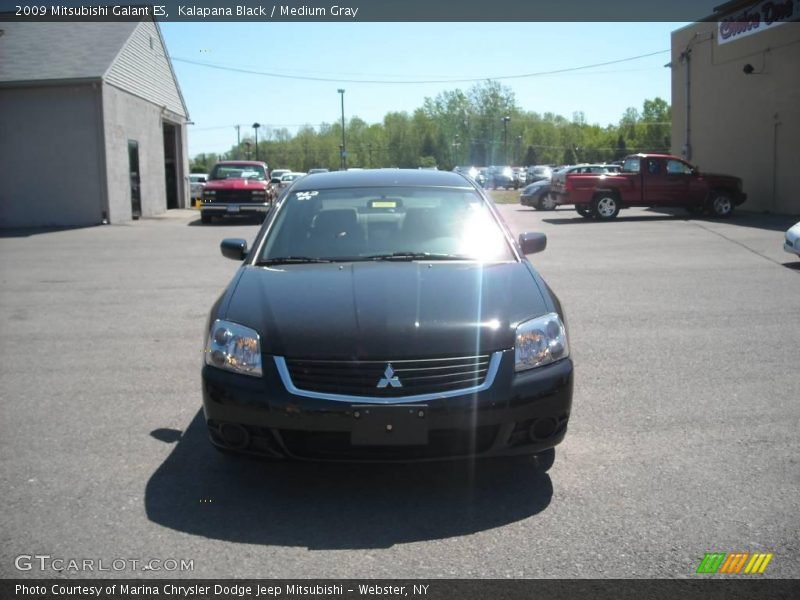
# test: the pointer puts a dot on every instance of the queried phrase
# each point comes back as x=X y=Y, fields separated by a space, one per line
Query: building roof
x=130 y=55
x=38 y=52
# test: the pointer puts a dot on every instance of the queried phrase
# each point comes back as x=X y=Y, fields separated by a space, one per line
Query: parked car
x=387 y=315
x=658 y=180
x=792 y=240
x=536 y=195
x=537 y=173
x=500 y=177
x=236 y=187
x=197 y=182
x=318 y=170
x=276 y=174
x=288 y=178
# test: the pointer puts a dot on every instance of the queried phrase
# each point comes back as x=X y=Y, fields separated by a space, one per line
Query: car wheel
x=584 y=211
x=548 y=202
x=721 y=204
x=205 y=218
x=544 y=460
x=605 y=206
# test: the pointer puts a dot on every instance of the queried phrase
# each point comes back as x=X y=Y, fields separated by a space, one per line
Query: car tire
x=721 y=204
x=544 y=460
x=605 y=206
x=584 y=211
x=547 y=202
x=205 y=218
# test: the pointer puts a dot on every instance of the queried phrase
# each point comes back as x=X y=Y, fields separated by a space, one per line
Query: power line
x=408 y=82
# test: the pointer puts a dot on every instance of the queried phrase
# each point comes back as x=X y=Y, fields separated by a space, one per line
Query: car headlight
x=234 y=347
x=211 y=193
x=540 y=341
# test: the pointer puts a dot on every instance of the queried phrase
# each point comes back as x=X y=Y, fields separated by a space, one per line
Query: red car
x=236 y=187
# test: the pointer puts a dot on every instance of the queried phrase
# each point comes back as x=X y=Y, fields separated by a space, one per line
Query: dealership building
x=736 y=99
x=92 y=124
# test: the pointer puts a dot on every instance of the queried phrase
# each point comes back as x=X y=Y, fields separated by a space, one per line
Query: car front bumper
x=520 y=413
x=234 y=208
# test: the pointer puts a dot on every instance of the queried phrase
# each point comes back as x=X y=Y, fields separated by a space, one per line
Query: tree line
x=481 y=126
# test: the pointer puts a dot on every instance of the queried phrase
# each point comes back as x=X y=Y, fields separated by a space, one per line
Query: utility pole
x=238 y=140
x=344 y=148
x=506 y=119
x=256 y=126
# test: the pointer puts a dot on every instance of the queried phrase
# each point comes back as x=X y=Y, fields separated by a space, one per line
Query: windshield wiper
x=400 y=256
x=285 y=260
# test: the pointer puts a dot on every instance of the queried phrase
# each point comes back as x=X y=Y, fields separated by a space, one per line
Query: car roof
x=382 y=177
x=241 y=162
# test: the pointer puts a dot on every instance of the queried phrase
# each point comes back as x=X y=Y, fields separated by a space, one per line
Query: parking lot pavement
x=683 y=438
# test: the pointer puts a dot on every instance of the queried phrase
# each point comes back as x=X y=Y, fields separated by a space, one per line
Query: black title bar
x=361 y=10
x=430 y=589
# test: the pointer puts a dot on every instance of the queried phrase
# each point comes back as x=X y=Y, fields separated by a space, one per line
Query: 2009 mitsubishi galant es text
x=386 y=315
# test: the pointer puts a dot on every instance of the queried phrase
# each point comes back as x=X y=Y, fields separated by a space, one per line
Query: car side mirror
x=234 y=248
x=532 y=242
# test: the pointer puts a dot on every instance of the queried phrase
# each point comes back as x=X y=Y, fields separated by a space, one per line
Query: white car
x=197 y=181
x=791 y=242
x=288 y=178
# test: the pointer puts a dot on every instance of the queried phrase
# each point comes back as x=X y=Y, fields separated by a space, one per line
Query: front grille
x=362 y=378
x=242 y=196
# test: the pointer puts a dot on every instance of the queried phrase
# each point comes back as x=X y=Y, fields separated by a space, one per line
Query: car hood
x=385 y=310
x=235 y=183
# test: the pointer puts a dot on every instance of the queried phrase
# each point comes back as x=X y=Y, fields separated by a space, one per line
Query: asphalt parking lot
x=683 y=438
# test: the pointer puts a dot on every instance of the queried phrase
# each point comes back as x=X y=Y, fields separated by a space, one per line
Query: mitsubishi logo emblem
x=389 y=378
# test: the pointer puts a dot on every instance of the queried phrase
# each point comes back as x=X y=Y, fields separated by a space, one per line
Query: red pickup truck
x=237 y=187
x=653 y=180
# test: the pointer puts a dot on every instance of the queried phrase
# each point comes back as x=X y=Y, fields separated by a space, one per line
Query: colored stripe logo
x=734 y=563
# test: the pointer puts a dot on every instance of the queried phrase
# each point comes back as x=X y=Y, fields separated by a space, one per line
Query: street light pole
x=506 y=119
x=256 y=126
x=344 y=148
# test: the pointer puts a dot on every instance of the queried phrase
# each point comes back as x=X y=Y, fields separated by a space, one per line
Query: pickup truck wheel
x=721 y=204
x=205 y=218
x=605 y=206
x=584 y=211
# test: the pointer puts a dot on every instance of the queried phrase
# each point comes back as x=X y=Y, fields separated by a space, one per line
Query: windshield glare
x=371 y=223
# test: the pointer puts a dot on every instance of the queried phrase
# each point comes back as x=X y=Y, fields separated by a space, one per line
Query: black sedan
x=537 y=195
x=386 y=315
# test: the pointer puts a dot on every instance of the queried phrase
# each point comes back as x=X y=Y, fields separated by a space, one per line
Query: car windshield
x=391 y=223
x=238 y=171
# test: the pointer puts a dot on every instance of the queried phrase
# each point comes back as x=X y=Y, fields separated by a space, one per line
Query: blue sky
x=218 y=100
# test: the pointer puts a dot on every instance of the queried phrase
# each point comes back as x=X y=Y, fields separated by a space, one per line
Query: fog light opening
x=542 y=429
x=234 y=436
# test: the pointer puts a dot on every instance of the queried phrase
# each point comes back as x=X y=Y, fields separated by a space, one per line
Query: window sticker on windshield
x=305 y=195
